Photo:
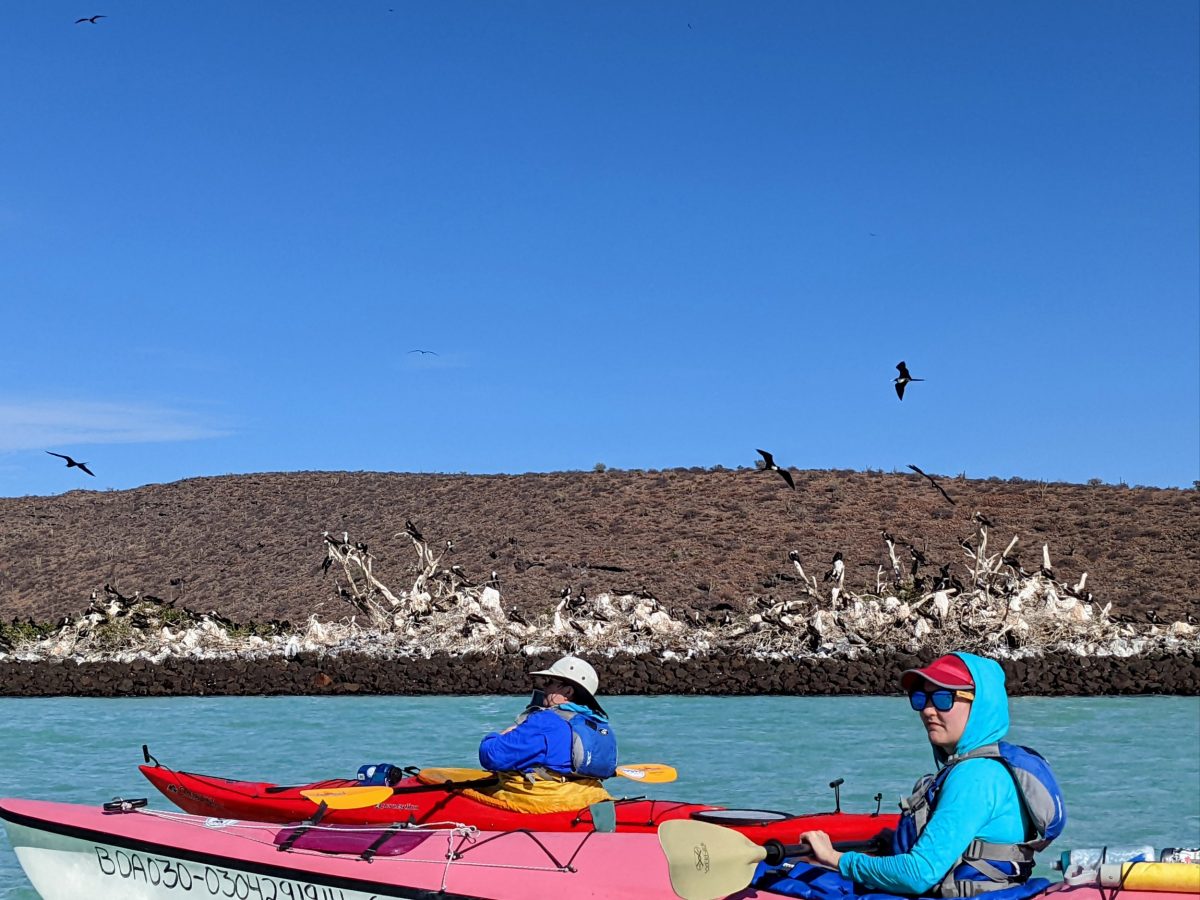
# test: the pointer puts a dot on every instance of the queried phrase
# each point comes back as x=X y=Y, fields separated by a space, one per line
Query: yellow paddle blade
x=707 y=861
x=349 y=797
x=648 y=773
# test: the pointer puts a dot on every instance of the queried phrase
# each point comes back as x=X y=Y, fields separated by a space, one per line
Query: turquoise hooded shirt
x=978 y=800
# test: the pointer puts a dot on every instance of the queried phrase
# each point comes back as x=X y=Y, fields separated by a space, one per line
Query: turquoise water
x=1130 y=766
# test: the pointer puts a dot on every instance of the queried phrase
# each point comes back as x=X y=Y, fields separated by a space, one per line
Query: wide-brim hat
x=947 y=671
x=581 y=676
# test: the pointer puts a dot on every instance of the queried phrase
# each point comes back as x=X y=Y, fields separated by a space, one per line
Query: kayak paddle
x=711 y=861
x=648 y=773
x=360 y=797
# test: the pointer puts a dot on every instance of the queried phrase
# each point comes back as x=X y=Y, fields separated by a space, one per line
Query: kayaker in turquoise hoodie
x=978 y=800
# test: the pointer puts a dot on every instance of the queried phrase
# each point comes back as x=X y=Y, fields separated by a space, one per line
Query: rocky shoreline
x=717 y=673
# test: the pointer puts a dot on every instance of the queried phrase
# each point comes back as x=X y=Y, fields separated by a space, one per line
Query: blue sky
x=648 y=235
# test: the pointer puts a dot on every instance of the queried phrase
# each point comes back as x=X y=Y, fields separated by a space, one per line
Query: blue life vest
x=593 y=741
x=986 y=867
x=819 y=883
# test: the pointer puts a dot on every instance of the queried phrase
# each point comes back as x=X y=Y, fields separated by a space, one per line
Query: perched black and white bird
x=72 y=463
x=91 y=19
x=837 y=570
x=918 y=558
x=903 y=379
x=1012 y=562
x=412 y=530
x=770 y=466
x=981 y=519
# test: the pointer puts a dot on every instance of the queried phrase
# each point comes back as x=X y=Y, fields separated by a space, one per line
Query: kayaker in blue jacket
x=561 y=746
x=968 y=829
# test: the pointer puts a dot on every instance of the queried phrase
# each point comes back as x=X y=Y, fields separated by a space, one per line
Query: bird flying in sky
x=903 y=379
x=71 y=462
x=91 y=19
x=770 y=466
x=933 y=481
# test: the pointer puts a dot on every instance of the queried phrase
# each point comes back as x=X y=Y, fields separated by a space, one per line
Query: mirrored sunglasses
x=943 y=699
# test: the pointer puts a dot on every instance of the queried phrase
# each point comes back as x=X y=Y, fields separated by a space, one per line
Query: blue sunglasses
x=943 y=699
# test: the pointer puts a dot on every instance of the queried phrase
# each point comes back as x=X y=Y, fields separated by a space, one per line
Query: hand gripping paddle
x=710 y=861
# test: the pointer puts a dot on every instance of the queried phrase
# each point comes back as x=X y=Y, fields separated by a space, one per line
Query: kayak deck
x=417 y=803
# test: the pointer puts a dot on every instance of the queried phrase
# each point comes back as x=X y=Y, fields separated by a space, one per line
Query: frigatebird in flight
x=770 y=466
x=903 y=379
x=933 y=481
x=91 y=19
x=71 y=462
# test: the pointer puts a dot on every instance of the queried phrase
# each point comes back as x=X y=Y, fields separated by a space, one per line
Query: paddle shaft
x=777 y=851
x=361 y=796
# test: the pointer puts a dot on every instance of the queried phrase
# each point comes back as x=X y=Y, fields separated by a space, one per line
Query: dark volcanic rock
x=717 y=674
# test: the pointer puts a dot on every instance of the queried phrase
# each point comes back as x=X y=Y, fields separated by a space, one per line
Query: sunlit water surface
x=1130 y=766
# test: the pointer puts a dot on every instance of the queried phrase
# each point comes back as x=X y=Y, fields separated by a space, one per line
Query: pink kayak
x=71 y=851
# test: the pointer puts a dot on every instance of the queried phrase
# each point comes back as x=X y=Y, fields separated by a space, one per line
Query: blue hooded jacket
x=978 y=800
x=542 y=739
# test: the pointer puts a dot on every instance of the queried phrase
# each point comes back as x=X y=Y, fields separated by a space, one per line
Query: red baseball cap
x=947 y=671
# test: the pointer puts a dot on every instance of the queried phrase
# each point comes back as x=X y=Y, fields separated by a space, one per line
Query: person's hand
x=821 y=849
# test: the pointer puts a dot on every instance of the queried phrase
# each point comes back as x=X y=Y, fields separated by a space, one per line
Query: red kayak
x=419 y=801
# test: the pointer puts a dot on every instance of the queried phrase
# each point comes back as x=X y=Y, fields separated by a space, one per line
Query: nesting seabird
x=837 y=570
x=903 y=379
x=918 y=558
x=770 y=466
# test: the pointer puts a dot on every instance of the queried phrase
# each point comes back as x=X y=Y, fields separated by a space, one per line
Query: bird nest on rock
x=1002 y=610
x=996 y=607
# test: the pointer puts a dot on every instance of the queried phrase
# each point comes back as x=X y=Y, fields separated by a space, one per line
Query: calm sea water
x=1130 y=766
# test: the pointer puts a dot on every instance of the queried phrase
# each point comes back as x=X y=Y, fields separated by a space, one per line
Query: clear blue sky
x=644 y=234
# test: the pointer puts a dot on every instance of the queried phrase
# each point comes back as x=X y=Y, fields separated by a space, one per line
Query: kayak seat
x=446 y=775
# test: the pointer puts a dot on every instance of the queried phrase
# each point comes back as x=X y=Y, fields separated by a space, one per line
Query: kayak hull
x=418 y=803
x=71 y=851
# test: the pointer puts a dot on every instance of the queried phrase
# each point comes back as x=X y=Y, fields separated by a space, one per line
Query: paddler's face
x=557 y=692
x=945 y=729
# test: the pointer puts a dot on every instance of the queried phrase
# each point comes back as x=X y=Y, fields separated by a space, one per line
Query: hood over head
x=988 y=719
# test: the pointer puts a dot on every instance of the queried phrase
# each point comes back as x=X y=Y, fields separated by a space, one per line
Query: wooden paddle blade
x=648 y=773
x=707 y=861
x=349 y=797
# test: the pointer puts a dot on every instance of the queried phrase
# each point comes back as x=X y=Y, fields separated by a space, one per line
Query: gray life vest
x=985 y=866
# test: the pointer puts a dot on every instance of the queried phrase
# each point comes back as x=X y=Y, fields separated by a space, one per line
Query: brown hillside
x=250 y=547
